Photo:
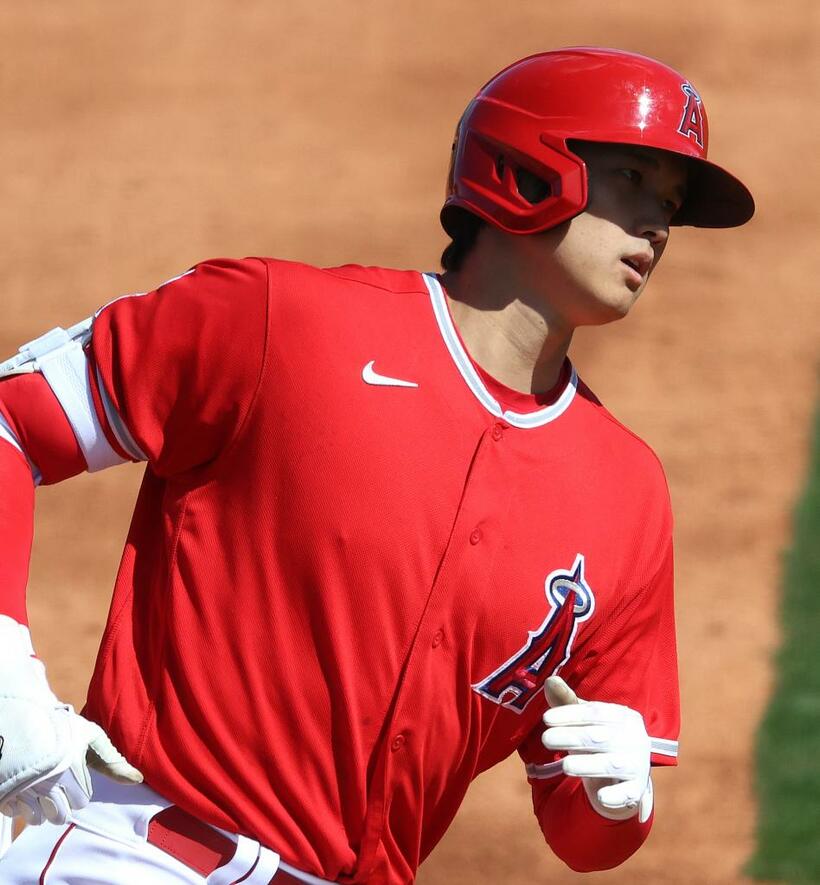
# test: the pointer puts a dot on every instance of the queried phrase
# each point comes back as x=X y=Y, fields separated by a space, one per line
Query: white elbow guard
x=59 y=357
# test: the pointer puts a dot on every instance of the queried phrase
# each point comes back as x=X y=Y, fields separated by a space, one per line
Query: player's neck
x=511 y=339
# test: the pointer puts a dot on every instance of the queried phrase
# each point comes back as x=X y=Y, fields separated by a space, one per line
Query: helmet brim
x=714 y=198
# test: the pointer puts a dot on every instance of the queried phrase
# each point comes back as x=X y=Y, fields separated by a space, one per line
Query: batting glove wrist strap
x=607 y=746
x=45 y=747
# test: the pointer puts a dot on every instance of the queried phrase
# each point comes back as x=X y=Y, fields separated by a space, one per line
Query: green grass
x=788 y=743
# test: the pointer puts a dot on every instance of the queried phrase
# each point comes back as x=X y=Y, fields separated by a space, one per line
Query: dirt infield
x=137 y=141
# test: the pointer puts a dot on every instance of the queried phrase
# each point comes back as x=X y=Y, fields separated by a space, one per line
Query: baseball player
x=386 y=536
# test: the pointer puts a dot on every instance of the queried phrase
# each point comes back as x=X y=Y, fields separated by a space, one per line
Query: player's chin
x=612 y=306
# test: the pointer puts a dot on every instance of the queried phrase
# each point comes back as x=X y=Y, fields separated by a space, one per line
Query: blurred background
x=139 y=138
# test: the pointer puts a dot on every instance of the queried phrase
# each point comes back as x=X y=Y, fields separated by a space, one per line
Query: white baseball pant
x=108 y=843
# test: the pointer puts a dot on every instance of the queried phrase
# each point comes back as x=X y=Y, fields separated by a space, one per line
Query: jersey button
x=475 y=536
x=437 y=637
x=498 y=431
x=398 y=742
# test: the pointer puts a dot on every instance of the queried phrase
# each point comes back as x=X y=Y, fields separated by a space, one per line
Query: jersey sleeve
x=16 y=528
x=632 y=659
x=576 y=833
x=177 y=369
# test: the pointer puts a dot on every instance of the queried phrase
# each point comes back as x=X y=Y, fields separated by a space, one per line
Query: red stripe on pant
x=197 y=845
x=53 y=854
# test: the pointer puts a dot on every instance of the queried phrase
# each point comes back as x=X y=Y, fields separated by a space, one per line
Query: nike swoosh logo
x=369 y=376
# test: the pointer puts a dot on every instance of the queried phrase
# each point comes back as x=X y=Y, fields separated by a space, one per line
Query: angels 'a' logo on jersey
x=691 y=121
x=517 y=681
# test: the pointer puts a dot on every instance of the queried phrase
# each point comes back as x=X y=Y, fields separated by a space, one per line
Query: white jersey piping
x=545 y=772
x=663 y=747
x=660 y=746
x=117 y=425
x=465 y=366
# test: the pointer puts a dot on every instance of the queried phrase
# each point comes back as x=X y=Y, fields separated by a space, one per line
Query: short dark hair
x=464 y=229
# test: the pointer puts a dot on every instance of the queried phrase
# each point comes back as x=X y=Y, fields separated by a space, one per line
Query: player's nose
x=657 y=235
x=653 y=226
x=651 y=219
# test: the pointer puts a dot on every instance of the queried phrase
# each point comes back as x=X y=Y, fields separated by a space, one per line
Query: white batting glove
x=45 y=747
x=608 y=749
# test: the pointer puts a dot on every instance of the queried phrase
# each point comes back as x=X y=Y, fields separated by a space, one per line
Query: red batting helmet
x=528 y=114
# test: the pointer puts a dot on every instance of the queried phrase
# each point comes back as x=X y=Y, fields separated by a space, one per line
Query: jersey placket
x=463 y=580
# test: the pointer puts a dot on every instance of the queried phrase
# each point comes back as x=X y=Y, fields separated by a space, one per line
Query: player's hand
x=45 y=747
x=608 y=748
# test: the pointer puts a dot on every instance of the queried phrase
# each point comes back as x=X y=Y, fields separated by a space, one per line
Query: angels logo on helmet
x=691 y=122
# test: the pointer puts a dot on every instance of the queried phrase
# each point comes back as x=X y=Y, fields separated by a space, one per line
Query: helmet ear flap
x=518 y=179
x=533 y=188
x=509 y=187
x=505 y=174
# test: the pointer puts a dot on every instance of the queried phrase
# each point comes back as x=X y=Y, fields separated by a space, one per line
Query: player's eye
x=631 y=175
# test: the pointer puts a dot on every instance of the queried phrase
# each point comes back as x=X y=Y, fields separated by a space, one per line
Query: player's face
x=592 y=269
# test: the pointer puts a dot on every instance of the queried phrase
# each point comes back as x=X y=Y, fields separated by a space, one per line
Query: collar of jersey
x=468 y=372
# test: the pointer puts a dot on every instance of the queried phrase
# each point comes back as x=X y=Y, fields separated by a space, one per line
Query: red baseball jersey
x=355 y=559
